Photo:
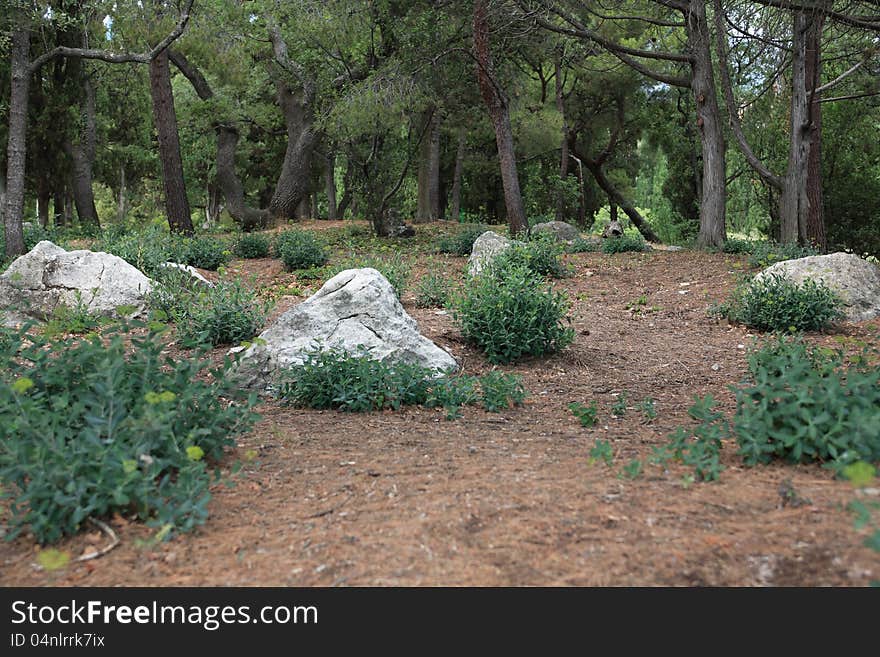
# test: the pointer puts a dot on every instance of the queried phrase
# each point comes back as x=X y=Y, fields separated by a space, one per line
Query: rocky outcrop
x=486 y=247
x=856 y=280
x=560 y=230
x=354 y=309
x=48 y=276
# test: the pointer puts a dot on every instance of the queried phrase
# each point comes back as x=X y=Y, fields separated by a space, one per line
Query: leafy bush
x=462 y=242
x=509 y=313
x=90 y=427
x=623 y=243
x=586 y=413
x=540 y=255
x=145 y=249
x=252 y=245
x=764 y=253
x=227 y=313
x=432 y=292
x=737 y=246
x=699 y=448
x=76 y=319
x=803 y=403
x=299 y=249
x=337 y=379
x=35 y=233
x=583 y=245
x=775 y=303
x=203 y=252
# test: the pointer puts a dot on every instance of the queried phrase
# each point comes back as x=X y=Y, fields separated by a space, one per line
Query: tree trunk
x=294 y=182
x=165 y=119
x=713 y=212
x=16 y=149
x=346 y=199
x=616 y=198
x=122 y=196
x=429 y=171
x=561 y=209
x=43 y=195
x=793 y=204
x=330 y=186
x=82 y=150
x=455 y=212
x=213 y=203
x=499 y=112
x=249 y=218
x=814 y=227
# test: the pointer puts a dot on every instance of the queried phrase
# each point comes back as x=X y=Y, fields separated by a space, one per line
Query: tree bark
x=43 y=195
x=330 y=186
x=455 y=211
x=794 y=203
x=429 y=170
x=122 y=196
x=499 y=111
x=561 y=209
x=814 y=227
x=249 y=218
x=616 y=198
x=82 y=150
x=16 y=149
x=165 y=119
x=713 y=211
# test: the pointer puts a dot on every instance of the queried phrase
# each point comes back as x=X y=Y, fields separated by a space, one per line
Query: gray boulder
x=856 y=280
x=357 y=307
x=560 y=230
x=486 y=247
x=48 y=276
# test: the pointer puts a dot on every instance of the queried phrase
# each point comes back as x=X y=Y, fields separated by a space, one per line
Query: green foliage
x=584 y=245
x=586 y=413
x=540 y=255
x=802 y=403
x=501 y=391
x=867 y=513
x=509 y=313
x=337 y=379
x=227 y=313
x=35 y=233
x=775 y=303
x=76 y=319
x=462 y=242
x=626 y=242
x=432 y=292
x=763 y=253
x=91 y=427
x=738 y=246
x=299 y=249
x=144 y=249
x=618 y=408
x=395 y=267
x=700 y=447
x=203 y=252
x=646 y=406
x=631 y=470
x=601 y=451
x=252 y=245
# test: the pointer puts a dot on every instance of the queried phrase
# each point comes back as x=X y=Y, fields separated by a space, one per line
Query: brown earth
x=408 y=498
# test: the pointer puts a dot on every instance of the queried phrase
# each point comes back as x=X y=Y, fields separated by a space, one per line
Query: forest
x=440 y=292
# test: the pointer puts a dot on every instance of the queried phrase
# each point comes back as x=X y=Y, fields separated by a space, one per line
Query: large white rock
x=486 y=247
x=356 y=307
x=856 y=280
x=187 y=269
x=48 y=276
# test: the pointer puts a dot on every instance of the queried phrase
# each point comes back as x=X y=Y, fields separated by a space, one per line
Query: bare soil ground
x=410 y=499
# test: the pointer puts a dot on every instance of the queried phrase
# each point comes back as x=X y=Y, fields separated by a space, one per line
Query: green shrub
x=91 y=427
x=203 y=252
x=623 y=243
x=764 y=253
x=252 y=245
x=510 y=313
x=699 y=448
x=738 y=246
x=462 y=242
x=396 y=268
x=432 y=292
x=583 y=245
x=76 y=319
x=586 y=413
x=299 y=249
x=145 y=250
x=775 y=303
x=227 y=313
x=541 y=255
x=803 y=403
x=36 y=233
x=337 y=379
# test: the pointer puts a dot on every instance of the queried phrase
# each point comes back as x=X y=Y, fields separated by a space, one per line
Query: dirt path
x=408 y=498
